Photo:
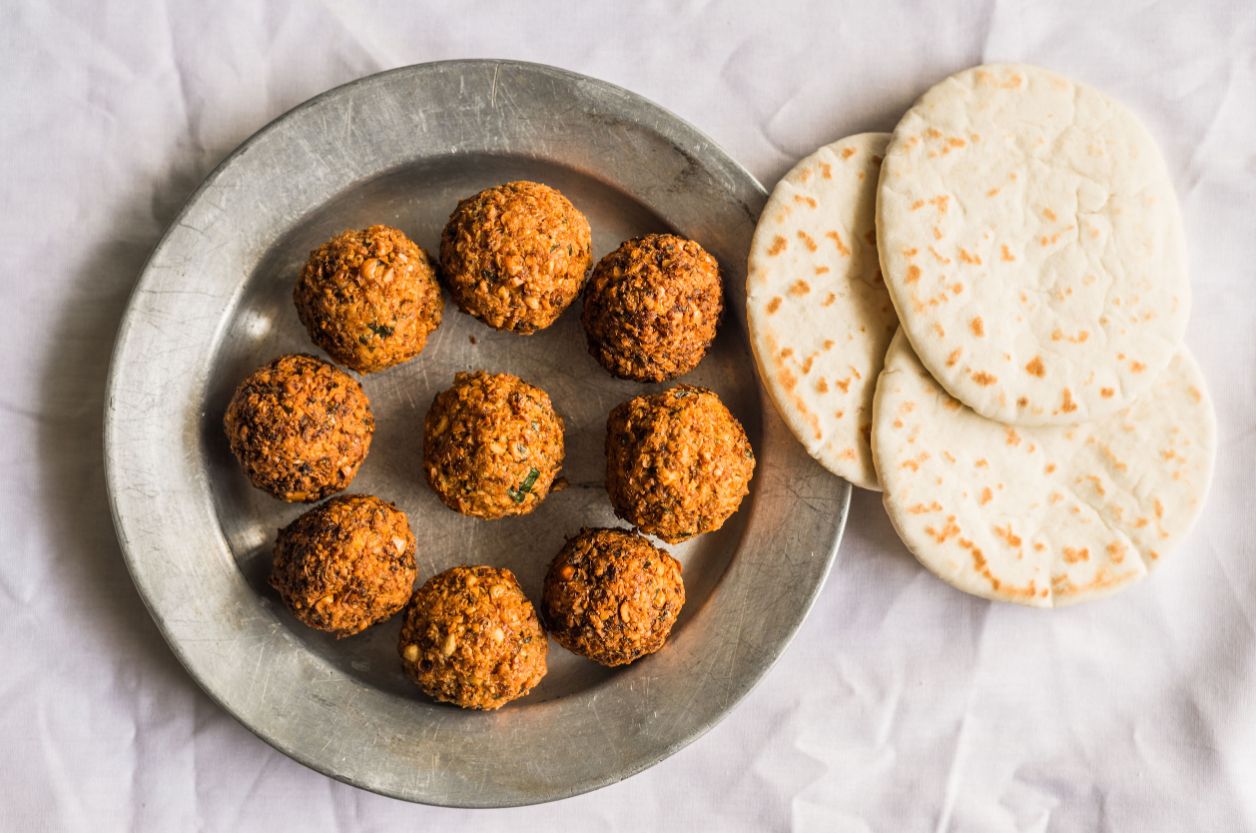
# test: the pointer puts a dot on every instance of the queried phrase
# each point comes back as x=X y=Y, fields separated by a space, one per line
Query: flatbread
x=1042 y=516
x=820 y=317
x=1033 y=245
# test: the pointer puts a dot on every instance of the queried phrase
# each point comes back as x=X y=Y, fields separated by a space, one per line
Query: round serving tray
x=215 y=301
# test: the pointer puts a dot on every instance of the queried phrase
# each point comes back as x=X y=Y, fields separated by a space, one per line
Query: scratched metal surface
x=214 y=302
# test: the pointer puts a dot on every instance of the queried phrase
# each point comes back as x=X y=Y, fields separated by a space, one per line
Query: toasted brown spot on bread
x=986 y=496
x=1049 y=468
x=799 y=287
x=913 y=273
x=922 y=508
x=842 y=248
x=953 y=358
x=940 y=202
x=806 y=365
x=1116 y=551
x=1137 y=367
x=948 y=530
x=843 y=384
x=938 y=331
x=1006 y=534
x=1011 y=437
x=941 y=258
x=1049 y=214
x=984 y=379
x=1035 y=367
x=847 y=153
x=822 y=386
x=1067 y=405
x=828 y=344
x=803 y=199
x=822 y=270
x=778 y=245
x=807 y=240
x=774 y=304
x=828 y=299
x=968 y=257
x=1073 y=555
x=1006 y=253
x=917 y=205
x=977 y=326
x=1106 y=393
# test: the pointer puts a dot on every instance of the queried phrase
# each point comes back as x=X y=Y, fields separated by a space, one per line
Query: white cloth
x=902 y=705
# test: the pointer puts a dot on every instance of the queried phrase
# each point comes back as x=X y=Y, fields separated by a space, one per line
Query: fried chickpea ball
x=516 y=256
x=492 y=445
x=300 y=428
x=369 y=298
x=473 y=639
x=677 y=463
x=651 y=308
x=345 y=565
x=612 y=596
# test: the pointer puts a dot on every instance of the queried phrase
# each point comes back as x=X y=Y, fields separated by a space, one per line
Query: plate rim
x=114 y=443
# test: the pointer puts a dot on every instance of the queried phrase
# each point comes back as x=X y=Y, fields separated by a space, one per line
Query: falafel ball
x=612 y=596
x=652 y=306
x=678 y=463
x=346 y=564
x=369 y=298
x=472 y=638
x=492 y=445
x=300 y=427
x=515 y=256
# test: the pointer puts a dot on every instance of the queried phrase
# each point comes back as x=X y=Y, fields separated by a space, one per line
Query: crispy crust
x=369 y=298
x=652 y=307
x=472 y=638
x=345 y=565
x=492 y=445
x=612 y=596
x=678 y=463
x=515 y=256
x=300 y=428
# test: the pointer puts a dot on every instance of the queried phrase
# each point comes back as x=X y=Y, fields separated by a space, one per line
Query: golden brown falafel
x=369 y=298
x=515 y=256
x=300 y=427
x=652 y=307
x=492 y=445
x=678 y=463
x=472 y=638
x=346 y=564
x=612 y=596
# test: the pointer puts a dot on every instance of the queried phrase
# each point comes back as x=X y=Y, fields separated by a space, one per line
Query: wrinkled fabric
x=901 y=705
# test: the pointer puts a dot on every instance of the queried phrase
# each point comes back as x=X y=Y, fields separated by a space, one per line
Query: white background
x=901 y=706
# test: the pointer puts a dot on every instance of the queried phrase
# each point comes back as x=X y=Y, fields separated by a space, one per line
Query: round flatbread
x=820 y=317
x=1043 y=516
x=1033 y=245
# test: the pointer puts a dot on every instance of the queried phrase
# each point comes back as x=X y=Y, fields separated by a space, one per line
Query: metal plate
x=215 y=301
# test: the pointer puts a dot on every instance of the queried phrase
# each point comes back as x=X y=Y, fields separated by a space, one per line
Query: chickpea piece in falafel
x=492 y=445
x=472 y=638
x=678 y=463
x=346 y=564
x=515 y=256
x=369 y=298
x=611 y=596
x=300 y=428
x=652 y=307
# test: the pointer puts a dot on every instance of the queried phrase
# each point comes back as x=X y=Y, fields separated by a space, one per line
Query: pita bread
x=1033 y=245
x=819 y=314
x=1043 y=516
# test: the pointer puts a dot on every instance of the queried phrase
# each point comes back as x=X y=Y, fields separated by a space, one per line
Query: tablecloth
x=902 y=705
